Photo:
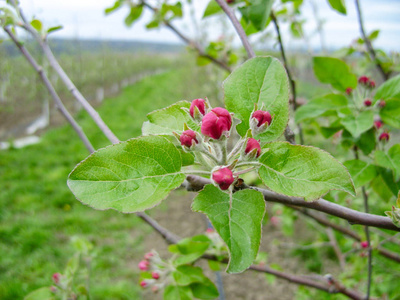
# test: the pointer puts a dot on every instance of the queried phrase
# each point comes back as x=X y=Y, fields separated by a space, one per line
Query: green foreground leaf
x=359 y=124
x=237 y=219
x=260 y=80
x=130 y=176
x=302 y=171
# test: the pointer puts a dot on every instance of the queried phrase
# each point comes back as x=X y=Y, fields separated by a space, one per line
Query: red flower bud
x=262 y=117
x=223 y=177
x=197 y=109
x=155 y=275
x=367 y=102
x=364 y=80
x=210 y=230
x=253 y=148
x=216 y=123
x=349 y=90
x=382 y=103
x=364 y=244
x=384 y=136
x=371 y=84
x=144 y=283
x=148 y=255
x=230 y=1
x=143 y=265
x=188 y=138
x=56 y=278
x=378 y=124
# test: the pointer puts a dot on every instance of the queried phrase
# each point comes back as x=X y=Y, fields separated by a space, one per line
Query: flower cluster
x=154 y=271
x=209 y=143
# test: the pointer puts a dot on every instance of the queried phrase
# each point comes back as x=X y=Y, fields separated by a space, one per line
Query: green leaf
x=296 y=28
x=174 y=292
x=204 y=290
x=53 y=29
x=389 y=89
x=389 y=180
x=130 y=176
x=37 y=25
x=339 y=6
x=43 y=293
x=169 y=119
x=335 y=72
x=391 y=112
x=257 y=12
x=367 y=141
x=361 y=171
x=260 y=80
x=185 y=275
x=318 y=106
x=356 y=125
x=389 y=160
x=134 y=14
x=302 y=171
x=237 y=219
x=373 y=35
x=116 y=5
x=190 y=249
x=212 y=9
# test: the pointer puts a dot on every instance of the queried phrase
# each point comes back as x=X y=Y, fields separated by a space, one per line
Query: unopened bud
x=382 y=103
x=378 y=124
x=223 y=178
x=259 y=121
x=349 y=90
x=188 y=139
x=198 y=109
x=56 y=278
x=143 y=265
x=384 y=136
x=155 y=275
x=253 y=149
x=364 y=244
x=367 y=102
x=364 y=80
x=216 y=123
x=144 y=283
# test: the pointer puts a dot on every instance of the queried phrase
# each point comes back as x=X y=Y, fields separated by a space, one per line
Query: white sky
x=86 y=19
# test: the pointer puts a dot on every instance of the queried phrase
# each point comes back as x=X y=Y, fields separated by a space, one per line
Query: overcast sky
x=86 y=19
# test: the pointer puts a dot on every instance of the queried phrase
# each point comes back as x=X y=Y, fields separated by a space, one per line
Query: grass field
x=39 y=215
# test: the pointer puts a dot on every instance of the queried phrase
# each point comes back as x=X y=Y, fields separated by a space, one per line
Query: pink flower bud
x=262 y=117
x=378 y=124
x=349 y=90
x=364 y=244
x=382 y=103
x=371 y=84
x=364 y=80
x=275 y=221
x=197 y=109
x=56 y=278
x=155 y=289
x=188 y=138
x=143 y=265
x=384 y=136
x=253 y=148
x=223 y=177
x=155 y=275
x=53 y=289
x=216 y=123
x=144 y=283
x=148 y=255
x=210 y=230
x=367 y=102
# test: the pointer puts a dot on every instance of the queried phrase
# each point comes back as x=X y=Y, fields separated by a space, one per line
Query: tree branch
x=371 y=50
x=239 y=29
x=64 y=77
x=289 y=73
x=190 y=42
x=327 y=284
x=52 y=91
x=196 y=183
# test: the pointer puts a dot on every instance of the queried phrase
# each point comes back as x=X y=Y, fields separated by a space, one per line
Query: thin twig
x=52 y=91
x=371 y=50
x=190 y=42
x=239 y=29
x=289 y=73
x=196 y=183
x=336 y=247
x=365 y=197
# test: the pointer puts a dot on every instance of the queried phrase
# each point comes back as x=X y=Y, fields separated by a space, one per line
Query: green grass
x=39 y=215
